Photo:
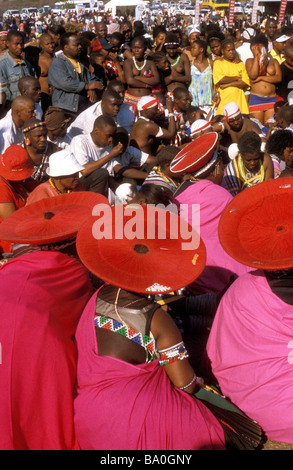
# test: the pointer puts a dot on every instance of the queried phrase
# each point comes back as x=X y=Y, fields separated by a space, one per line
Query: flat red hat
x=152 y=261
x=195 y=155
x=256 y=227
x=50 y=220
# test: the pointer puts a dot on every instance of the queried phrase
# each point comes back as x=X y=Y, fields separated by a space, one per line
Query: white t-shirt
x=62 y=142
x=244 y=52
x=38 y=111
x=9 y=133
x=84 y=122
x=85 y=150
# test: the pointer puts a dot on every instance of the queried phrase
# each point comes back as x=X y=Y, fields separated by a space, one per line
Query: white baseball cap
x=283 y=38
x=63 y=163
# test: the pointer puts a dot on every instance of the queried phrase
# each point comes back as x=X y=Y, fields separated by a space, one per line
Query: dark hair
x=192 y=109
x=286 y=112
x=115 y=83
x=202 y=44
x=88 y=35
x=260 y=39
x=158 y=29
x=158 y=56
x=94 y=55
x=118 y=36
x=44 y=36
x=179 y=92
x=141 y=39
x=278 y=141
x=166 y=154
x=249 y=142
x=171 y=37
x=13 y=33
x=156 y=194
x=57 y=29
x=104 y=121
x=121 y=135
x=215 y=35
x=64 y=39
x=226 y=43
x=111 y=93
x=138 y=27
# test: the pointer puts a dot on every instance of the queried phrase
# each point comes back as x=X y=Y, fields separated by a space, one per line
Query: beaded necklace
x=165 y=178
x=51 y=182
x=244 y=175
x=139 y=68
x=175 y=61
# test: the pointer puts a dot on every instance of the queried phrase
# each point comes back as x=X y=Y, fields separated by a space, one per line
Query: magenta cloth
x=220 y=267
x=42 y=297
x=249 y=348
x=121 y=406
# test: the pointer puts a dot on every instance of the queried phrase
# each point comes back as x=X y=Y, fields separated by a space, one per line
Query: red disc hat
x=154 y=260
x=256 y=227
x=51 y=219
x=195 y=155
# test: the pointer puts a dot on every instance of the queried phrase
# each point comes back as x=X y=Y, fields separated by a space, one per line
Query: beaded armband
x=178 y=352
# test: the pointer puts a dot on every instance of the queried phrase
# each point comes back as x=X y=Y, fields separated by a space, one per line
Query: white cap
x=199 y=125
x=283 y=38
x=147 y=102
x=248 y=33
x=233 y=151
x=63 y=163
x=195 y=29
x=231 y=110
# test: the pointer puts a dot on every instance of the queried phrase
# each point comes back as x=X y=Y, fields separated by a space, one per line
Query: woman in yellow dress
x=230 y=78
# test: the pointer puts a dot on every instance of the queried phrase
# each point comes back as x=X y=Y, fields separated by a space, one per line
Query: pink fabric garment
x=220 y=267
x=249 y=348
x=120 y=406
x=42 y=297
x=42 y=191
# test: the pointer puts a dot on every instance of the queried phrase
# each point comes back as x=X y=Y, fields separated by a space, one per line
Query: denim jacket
x=67 y=86
x=10 y=73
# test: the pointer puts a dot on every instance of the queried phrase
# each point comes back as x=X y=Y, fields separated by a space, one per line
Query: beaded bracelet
x=194 y=378
x=178 y=352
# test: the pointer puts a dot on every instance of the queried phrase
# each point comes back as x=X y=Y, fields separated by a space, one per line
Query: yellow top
x=279 y=57
x=224 y=68
x=75 y=64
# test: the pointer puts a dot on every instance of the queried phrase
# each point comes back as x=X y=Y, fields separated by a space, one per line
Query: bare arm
x=131 y=173
x=132 y=81
x=252 y=68
x=151 y=81
x=167 y=334
x=227 y=80
x=6 y=209
x=236 y=84
x=268 y=167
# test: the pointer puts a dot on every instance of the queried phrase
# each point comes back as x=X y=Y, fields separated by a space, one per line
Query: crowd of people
x=109 y=111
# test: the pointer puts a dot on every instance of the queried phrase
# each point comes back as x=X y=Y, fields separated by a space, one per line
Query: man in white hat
x=145 y=133
x=64 y=171
x=279 y=44
x=236 y=124
x=200 y=127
